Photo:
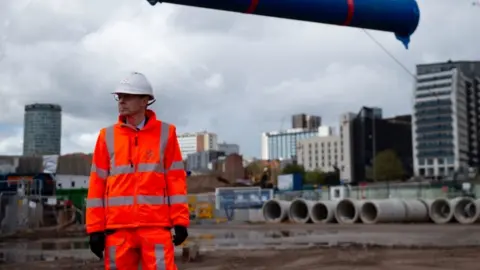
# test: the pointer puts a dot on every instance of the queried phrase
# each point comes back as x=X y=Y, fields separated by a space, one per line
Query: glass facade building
x=283 y=144
x=446 y=121
x=42 y=132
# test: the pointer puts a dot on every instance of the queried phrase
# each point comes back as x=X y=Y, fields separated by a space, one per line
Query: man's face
x=131 y=104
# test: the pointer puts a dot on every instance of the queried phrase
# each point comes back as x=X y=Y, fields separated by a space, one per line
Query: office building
x=319 y=153
x=42 y=132
x=229 y=148
x=306 y=121
x=197 y=142
x=346 y=147
x=446 y=119
x=372 y=134
x=202 y=161
x=283 y=144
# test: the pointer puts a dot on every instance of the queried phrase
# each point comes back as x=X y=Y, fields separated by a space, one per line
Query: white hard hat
x=135 y=84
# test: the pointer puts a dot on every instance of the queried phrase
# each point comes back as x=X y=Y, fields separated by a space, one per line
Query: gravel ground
x=368 y=247
x=325 y=259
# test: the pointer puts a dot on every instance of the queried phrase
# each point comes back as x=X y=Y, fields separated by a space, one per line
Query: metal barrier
x=20 y=213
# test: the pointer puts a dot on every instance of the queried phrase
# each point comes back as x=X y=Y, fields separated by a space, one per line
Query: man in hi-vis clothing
x=137 y=189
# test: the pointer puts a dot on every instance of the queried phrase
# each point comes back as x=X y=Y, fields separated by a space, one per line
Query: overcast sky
x=233 y=74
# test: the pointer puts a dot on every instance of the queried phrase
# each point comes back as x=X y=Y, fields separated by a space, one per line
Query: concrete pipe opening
x=320 y=212
x=441 y=211
x=465 y=210
x=369 y=212
x=347 y=211
x=275 y=211
x=323 y=211
x=299 y=211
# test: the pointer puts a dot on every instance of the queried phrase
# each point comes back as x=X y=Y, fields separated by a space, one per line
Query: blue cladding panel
x=243 y=198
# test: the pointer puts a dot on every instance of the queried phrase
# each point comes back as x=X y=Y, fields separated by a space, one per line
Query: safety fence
x=384 y=191
x=228 y=204
x=21 y=213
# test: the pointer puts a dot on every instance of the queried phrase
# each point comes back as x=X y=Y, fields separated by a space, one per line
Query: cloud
x=233 y=74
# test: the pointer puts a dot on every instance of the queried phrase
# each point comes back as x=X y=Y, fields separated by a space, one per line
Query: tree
x=254 y=169
x=388 y=166
x=293 y=168
x=316 y=177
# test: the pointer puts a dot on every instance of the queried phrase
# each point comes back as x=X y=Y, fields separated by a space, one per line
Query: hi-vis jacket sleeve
x=176 y=181
x=95 y=216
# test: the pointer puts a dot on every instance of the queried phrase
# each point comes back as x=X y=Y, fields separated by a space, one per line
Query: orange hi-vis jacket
x=137 y=178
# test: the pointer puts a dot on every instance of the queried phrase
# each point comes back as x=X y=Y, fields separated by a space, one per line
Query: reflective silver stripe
x=124 y=169
x=141 y=199
x=142 y=167
x=94 y=203
x=152 y=200
x=110 y=142
x=164 y=134
x=160 y=257
x=120 y=201
x=111 y=258
x=177 y=199
x=149 y=167
x=100 y=172
x=177 y=165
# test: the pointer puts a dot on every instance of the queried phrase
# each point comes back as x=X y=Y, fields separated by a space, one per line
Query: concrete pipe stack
x=299 y=211
x=463 y=210
x=323 y=212
x=276 y=211
x=393 y=211
x=348 y=211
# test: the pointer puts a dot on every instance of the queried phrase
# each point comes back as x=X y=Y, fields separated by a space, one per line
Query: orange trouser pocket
x=156 y=250
x=122 y=251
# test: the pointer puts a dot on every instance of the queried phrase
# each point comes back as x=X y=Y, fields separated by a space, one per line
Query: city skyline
x=275 y=67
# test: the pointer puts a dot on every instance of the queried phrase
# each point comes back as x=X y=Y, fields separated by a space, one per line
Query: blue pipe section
x=397 y=16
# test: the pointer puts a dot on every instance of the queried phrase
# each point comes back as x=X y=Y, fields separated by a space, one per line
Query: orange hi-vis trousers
x=147 y=248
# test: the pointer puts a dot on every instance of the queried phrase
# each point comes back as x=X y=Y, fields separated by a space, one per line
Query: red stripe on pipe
x=351 y=8
x=253 y=6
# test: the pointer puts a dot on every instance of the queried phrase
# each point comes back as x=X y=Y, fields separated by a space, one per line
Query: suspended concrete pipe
x=383 y=211
x=300 y=210
x=441 y=211
x=348 y=211
x=276 y=211
x=465 y=210
x=323 y=212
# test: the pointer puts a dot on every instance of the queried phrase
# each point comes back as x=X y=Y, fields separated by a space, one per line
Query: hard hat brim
x=132 y=91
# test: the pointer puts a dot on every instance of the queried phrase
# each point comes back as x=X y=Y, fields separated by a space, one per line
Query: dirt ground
x=461 y=248
x=327 y=259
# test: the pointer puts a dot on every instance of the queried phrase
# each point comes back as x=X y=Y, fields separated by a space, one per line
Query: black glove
x=180 y=236
x=97 y=243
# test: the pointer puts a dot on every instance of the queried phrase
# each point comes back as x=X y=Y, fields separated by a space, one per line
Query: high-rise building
x=306 y=121
x=283 y=144
x=364 y=135
x=197 y=142
x=446 y=119
x=346 y=147
x=202 y=161
x=229 y=148
x=319 y=152
x=42 y=132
